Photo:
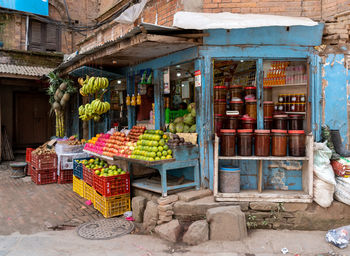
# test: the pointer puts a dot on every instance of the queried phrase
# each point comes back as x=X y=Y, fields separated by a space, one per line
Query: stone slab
x=168 y=199
x=138 y=207
x=262 y=206
x=150 y=216
x=169 y=231
x=188 y=196
x=198 y=232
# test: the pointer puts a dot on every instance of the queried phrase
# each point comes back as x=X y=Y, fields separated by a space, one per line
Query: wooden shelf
x=156 y=186
x=107 y=158
x=274 y=158
x=296 y=113
x=285 y=85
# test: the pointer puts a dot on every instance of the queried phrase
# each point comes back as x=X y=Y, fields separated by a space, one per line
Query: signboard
x=40 y=7
x=197 y=78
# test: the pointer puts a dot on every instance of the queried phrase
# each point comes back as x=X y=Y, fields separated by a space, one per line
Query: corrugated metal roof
x=34 y=71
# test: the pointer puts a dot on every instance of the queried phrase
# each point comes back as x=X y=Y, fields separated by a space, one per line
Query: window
x=44 y=37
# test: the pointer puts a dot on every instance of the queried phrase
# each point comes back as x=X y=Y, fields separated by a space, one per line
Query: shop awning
x=84 y=70
x=24 y=72
x=226 y=20
x=142 y=43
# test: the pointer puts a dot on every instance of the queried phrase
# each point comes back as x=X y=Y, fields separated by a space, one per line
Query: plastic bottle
x=138 y=99
x=133 y=101
x=127 y=101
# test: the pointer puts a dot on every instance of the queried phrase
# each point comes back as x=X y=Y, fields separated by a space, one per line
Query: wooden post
x=260 y=176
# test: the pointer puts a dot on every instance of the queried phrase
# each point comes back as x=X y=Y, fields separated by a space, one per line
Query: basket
x=66 y=176
x=112 y=186
x=41 y=177
x=78 y=186
x=173 y=114
x=89 y=193
x=44 y=162
x=29 y=154
x=78 y=167
x=88 y=175
x=112 y=206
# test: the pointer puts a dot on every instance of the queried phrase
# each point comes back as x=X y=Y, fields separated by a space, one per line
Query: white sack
x=342 y=190
x=323 y=192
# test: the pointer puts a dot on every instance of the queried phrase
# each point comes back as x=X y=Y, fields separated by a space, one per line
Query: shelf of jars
x=285 y=85
x=302 y=196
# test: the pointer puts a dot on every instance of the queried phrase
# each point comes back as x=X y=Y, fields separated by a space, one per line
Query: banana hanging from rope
x=92 y=85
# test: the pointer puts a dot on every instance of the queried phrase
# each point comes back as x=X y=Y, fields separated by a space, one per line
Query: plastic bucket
x=229 y=179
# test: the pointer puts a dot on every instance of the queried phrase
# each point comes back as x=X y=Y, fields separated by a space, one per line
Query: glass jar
x=250 y=92
x=287 y=107
x=248 y=123
x=281 y=98
x=293 y=98
x=302 y=98
x=245 y=140
x=250 y=108
x=232 y=122
x=279 y=142
x=296 y=142
x=268 y=123
x=268 y=93
x=262 y=142
x=236 y=91
x=280 y=122
x=220 y=92
x=296 y=122
x=237 y=106
x=218 y=123
x=268 y=108
x=293 y=107
x=302 y=107
x=220 y=107
x=228 y=142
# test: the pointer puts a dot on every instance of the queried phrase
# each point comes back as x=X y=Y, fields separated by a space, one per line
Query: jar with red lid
x=287 y=107
x=250 y=92
x=250 y=108
x=228 y=142
x=281 y=98
x=302 y=107
x=293 y=107
x=268 y=108
x=302 y=98
x=279 y=142
x=236 y=92
x=296 y=142
x=220 y=107
x=232 y=122
x=244 y=143
x=281 y=107
x=293 y=98
x=218 y=123
x=268 y=123
x=220 y=92
x=262 y=142
x=237 y=105
x=248 y=123
x=296 y=122
x=280 y=122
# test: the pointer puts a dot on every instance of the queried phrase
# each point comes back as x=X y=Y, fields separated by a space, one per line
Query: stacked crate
x=43 y=168
x=28 y=160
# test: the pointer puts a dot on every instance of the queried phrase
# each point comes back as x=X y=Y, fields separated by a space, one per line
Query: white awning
x=226 y=20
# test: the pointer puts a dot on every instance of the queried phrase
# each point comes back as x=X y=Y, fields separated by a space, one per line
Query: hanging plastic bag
x=132 y=13
x=339 y=237
x=342 y=190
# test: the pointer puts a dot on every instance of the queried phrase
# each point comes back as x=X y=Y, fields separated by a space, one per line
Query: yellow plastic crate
x=78 y=186
x=113 y=205
x=89 y=193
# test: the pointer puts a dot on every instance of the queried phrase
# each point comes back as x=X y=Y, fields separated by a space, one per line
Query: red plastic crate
x=66 y=176
x=29 y=169
x=44 y=162
x=41 y=177
x=113 y=185
x=88 y=175
x=29 y=154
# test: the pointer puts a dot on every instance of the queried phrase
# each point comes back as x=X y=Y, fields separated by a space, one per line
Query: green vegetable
x=172 y=128
x=186 y=128
x=191 y=106
x=178 y=120
x=189 y=119
x=193 y=128
x=193 y=112
x=180 y=127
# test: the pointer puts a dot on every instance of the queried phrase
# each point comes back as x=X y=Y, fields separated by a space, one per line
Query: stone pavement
x=28 y=208
x=258 y=243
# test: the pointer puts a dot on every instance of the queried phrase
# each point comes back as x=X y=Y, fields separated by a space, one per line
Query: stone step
x=197 y=209
x=192 y=195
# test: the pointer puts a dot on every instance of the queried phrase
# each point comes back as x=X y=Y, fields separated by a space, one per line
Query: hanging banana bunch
x=93 y=110
x=92 y=85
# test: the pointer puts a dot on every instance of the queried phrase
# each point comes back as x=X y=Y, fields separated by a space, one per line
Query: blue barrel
x=229 y=179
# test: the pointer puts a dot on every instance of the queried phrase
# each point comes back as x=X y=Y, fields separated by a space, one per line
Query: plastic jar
x=248 y=123
x=218 y=123
x=280 y=122
x=237 y=106
x=293 y=98
x=268 y=123
x=236 y=91
x=232 y=122
x=296 y=122
x=281 y=98
x=279 y=142
x=245 y=140
x=268 y=93
x=220 y=92
x=250 y=108
x=250 y=92
x=220 y=107
x=262 y=142
x=296 y=142
x=228 y=142
x=268 y=108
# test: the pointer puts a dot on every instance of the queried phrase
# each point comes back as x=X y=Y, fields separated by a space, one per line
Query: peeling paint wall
x=335 y=78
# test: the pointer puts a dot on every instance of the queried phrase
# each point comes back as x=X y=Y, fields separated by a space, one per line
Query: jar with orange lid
x=279 y=142
x=250 y=108
x=244 y=142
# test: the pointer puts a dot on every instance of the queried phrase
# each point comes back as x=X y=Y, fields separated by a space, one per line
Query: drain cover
x=105 y=229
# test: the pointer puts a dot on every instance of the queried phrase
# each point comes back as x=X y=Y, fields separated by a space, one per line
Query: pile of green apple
x=151 y=146
x=93 y=163
x=111 y=170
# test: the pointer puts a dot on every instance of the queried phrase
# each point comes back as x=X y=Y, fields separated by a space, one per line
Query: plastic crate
x=112 y=186
x=89 y=193
x=88 y=175
x=29 y=154
x=78 y=186
x=66 y=176
x=44 y=162
x=29 y=169
x=41 y=177
x=78 y=167
x=112 y=206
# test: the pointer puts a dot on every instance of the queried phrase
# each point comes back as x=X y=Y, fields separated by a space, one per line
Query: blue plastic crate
x=78 y=168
